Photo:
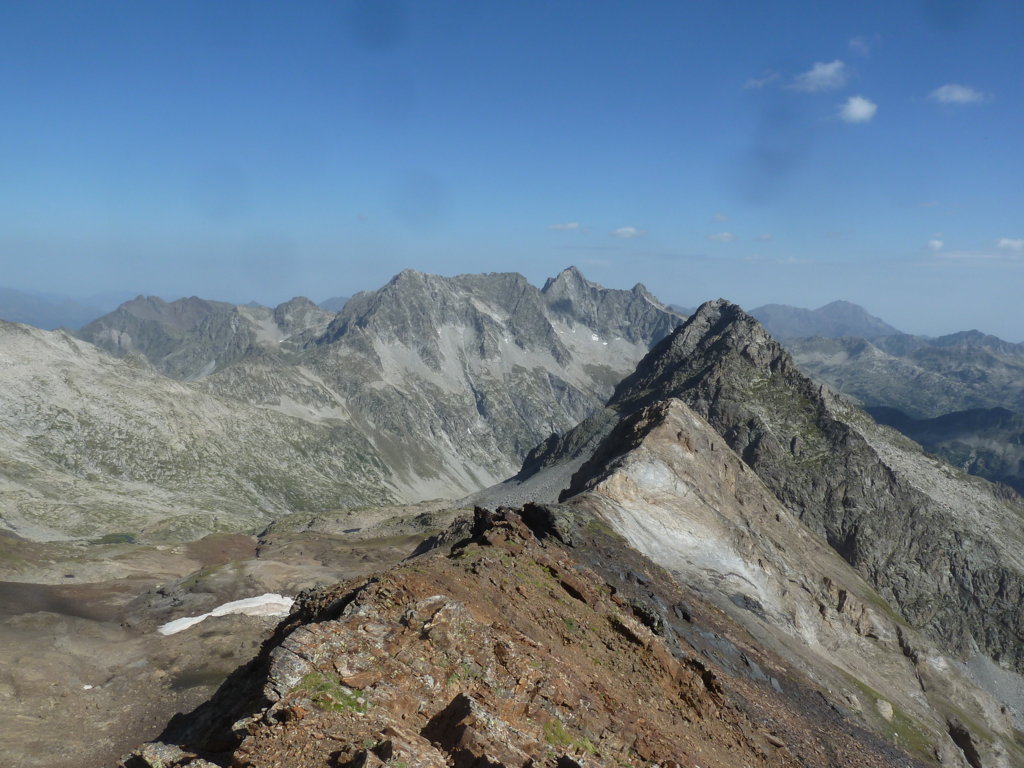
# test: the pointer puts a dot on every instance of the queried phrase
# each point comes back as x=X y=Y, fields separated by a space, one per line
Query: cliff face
x=514 y=649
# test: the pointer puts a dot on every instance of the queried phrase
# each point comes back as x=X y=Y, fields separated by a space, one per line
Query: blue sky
x=792 y=152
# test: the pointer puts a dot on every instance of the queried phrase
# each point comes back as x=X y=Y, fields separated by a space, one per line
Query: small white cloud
x=857 y=109
x=935 y=245
x=722 y=237
x=719 y=217
x=566 y=227
x=860 y=45
x=951 y=93
x=763 y=80
x=627 y=233
x=1011 y=244
x=765 y=238
x=821 y=77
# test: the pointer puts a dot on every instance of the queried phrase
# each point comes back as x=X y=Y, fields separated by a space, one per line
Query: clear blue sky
x=795 y=152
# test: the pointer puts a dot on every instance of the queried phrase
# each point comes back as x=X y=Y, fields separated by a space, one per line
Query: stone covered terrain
x=511 y=648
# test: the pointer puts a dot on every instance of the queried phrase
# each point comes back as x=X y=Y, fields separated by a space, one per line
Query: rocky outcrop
x=943 y=549
x=515 y=650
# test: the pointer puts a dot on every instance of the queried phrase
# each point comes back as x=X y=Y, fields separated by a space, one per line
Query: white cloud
x=763 y=80
x=722 y=237
x=935 y=245
x=821 y=77
x=719 y=217
x=951 y=93
x=765 y=238
x=857 y=109
x=627 y=233
x=1011 y=244
x=566 y=227
x=860 y=45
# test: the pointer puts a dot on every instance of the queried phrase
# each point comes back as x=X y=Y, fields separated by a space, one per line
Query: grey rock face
x=91 y=444
x=480 y=368
x=191 y=338
x=941 y=547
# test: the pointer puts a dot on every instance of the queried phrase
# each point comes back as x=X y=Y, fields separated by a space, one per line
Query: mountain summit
x=913 y=527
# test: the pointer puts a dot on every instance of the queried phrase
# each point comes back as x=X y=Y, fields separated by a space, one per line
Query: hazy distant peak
x=975 y=338
x=334 y=304
x=833 y=320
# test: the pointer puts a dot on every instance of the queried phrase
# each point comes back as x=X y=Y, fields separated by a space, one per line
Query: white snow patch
x=594 y=337
x=269 y=604
x=86 y=687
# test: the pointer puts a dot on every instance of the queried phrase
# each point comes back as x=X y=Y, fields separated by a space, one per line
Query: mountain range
x=430 y=387
x=687 y=547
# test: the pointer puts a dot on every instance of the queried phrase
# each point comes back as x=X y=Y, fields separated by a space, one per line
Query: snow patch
x=269 y=604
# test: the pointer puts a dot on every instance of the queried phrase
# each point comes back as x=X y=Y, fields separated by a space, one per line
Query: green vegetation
x=330 y=695
x=556 y=735
x=902 y=729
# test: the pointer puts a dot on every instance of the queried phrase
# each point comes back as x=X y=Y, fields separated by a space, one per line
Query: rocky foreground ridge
x=531 y=638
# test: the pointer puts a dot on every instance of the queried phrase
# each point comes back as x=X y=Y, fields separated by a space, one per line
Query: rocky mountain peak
x=716 y=342
x=898 y=518
x=300 y=315
x=568 y=280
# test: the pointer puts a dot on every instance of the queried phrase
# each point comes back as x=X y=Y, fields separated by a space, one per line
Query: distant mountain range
x=334 y=304
x=840 y=318
x=46 y=312
x=429 y=387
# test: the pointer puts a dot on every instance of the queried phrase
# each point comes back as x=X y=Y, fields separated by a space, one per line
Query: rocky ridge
x=508 y=647
x=429 y=388
x=943 y=549
x=191 y=338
